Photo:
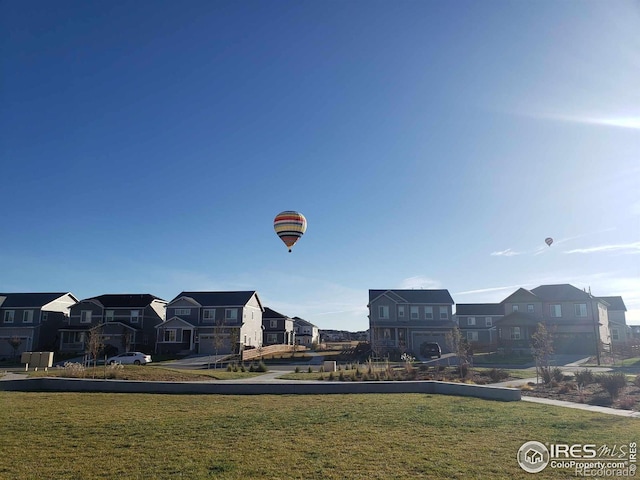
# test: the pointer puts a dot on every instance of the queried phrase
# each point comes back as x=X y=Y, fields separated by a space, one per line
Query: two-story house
x=577 y=321
x=123 y=322
x=30 y=321
x=277 y=328
x=477 y=322
x=620 y=331
x=306 y=333
x=402 y=320
x=211 y=323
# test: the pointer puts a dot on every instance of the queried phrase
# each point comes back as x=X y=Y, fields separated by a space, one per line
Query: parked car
x=130 y=358
x=430 y=349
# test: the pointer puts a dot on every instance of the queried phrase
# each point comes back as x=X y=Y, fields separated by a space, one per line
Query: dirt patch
x=592 y=394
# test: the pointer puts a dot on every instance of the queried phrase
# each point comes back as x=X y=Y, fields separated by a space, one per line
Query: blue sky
x=147 y=146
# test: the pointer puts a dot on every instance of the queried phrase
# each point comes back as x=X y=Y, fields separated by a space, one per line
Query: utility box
x=330 y=366
x=25 y=357
x=37 y=359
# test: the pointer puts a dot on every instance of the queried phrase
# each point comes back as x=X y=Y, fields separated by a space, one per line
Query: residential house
x=211 y=323
x=306 y=333
x=124 y=322
x=31 y=321
x=277 y=328
x=477 y=322
x=577 y=320
x=635 y=332
x=402 y=320
x=620 y=331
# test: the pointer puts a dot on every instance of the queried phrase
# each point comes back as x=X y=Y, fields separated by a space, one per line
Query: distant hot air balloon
x=290 y=226
x=548 y=241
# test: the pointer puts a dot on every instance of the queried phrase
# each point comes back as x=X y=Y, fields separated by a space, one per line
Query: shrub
x=636 y=382
x=310 y=370
x=229 y=368
x=557 y=375
x=567 y=387
x=545 y=373
x=298 y=370
x=261 y=367
x=584 y=377
x=627 y=403
x=113 y=370
x=75 y=370
x=331 y=376
x=613 y=383
x=341 y=376
x=242 y=368
x=497 y=374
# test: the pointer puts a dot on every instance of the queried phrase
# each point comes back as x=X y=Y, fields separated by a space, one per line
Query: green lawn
x=400 y=436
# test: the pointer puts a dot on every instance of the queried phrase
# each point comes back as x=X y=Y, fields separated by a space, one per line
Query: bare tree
x=542 y=346
x=220 y=336
x=93 y=345
x=126 y=339
x=459 y=345
x=15 y=343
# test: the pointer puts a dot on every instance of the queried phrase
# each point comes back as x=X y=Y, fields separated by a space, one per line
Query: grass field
x=404 y=436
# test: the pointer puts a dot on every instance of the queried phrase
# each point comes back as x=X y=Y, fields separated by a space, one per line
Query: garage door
x=438 y=337
x=207 y=345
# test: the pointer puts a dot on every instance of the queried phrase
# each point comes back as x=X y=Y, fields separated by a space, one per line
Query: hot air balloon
x=548 y=241
x=290 y=226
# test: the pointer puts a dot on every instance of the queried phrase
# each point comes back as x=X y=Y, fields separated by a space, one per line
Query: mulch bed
x=592 y=394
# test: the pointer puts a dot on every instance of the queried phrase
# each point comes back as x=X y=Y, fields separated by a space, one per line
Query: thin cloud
x=628 y=248
x=506 y=253
x=489 y=290
x=419 y=282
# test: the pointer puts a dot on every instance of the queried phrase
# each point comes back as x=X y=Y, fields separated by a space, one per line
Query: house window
x=580 y=309
x=383 y=312
x=472 y=336
x=514 y=308
x=488 y=321
x=515 y=333
x=183 y=311
x=272 y=337
x=8 y=316
x=414 y=313
x=135 y=316
x=444 y=313
x=471 y=321
x=208 y=315
x=428 y=313
x=231 y=314
x=27 y=316
x=615 y=334
x=85 y=316
x=556 y=310
x=170 y=335
x=530 y=308
x=273 y=323
x=401 y=311
x=109 y=315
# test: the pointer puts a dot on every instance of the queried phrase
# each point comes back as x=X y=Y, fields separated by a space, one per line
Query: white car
x=130 y=358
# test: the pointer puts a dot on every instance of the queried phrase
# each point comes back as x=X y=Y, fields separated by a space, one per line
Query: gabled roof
x=268 y=313
x=220 y=299
x=414 y=296
x=175 y=320
x=301 y=321
x=125 y=300
x=479 y=309
x=29 y=300
x=518 y=319
x=615 y=303
x=560 y=293
x=522 y=294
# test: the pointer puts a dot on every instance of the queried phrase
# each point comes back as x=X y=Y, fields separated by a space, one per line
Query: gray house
x=306 y=333
x=477 y=322
x=577 y=320
x=124 y=322
x=277 y=328
x=402 y=320
x=211 y=323
x=31 y=321
x=616 y=309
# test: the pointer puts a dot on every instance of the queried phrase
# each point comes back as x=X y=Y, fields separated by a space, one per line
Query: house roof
x=301 y=321
x=414 y=296
x=520 y=295
x=269 y=313
x=221 y=299
x=518 y=319
x=479 y=309
x=615 y=303
x=29 y=300
x=125 y=300
x=563 y=292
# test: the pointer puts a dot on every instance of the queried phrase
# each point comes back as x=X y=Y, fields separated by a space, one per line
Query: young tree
x=459 y=345
x=126 y=339
x=219 y=338
x=542 y=346
x=94 y=344
x=15 y=343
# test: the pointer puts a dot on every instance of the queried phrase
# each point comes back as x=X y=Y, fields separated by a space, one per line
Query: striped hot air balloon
x=290 y=226
x=548 y=241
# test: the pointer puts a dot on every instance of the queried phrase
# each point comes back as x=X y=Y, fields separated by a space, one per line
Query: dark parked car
x=430 y=349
